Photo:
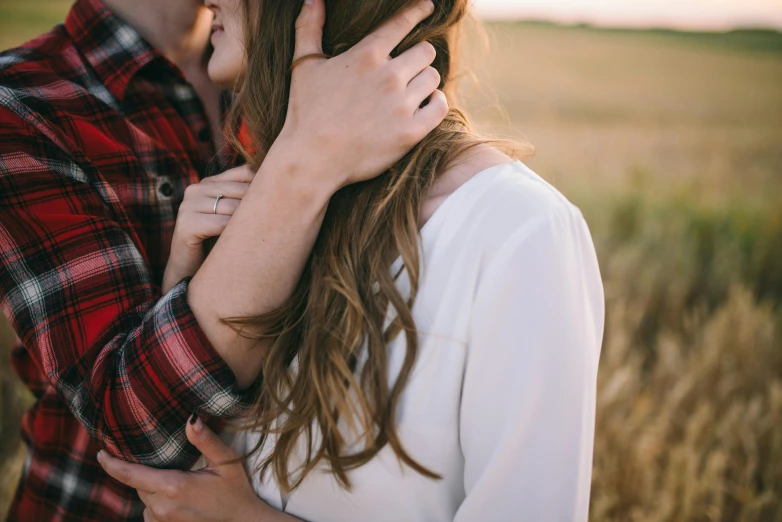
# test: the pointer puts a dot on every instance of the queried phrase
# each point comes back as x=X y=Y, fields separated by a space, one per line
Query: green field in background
x=671 y=143
x=21 y=20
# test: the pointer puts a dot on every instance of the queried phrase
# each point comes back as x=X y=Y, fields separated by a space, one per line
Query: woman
x=438 y=358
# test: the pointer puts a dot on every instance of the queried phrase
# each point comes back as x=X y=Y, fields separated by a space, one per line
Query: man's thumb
x=208 y=443
x=309 y=29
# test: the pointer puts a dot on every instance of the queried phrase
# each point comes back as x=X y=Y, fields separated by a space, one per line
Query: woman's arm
x=528 y=403
x=338 y=131
x=75 y=282
x=528 y=400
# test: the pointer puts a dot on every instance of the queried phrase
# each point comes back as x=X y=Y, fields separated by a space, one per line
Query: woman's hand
x=198 y=221
x=353 y=116
x=219 y=492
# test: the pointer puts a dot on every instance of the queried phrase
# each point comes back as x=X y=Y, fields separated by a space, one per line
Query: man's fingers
x=136 y=476
x=389 y=35
x=411 y=62
x=309 y=29
x=208 y=443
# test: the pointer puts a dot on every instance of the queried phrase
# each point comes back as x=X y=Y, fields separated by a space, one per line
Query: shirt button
x=167 y=190
x=204 y=135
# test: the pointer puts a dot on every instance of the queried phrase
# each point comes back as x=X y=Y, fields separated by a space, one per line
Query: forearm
x=112 y=327
x=256 y=263
x=353 y=117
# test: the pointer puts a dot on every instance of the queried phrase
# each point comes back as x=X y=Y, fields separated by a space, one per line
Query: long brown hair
x=335 y=325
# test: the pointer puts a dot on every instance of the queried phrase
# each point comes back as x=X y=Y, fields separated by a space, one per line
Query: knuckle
x=174 y=487
x=302 y=22
x=440 y=104
x=163 y=512
x=429 y=51
x=407 y=19
x=370 y=57
x=426 y=6
x=434 y=74
x=124 y=474
x=190 y=191
x=171 y=491
x=392 y=81
x=409 y=135
x=225 y=188
x=248 y=173
x=402 y=111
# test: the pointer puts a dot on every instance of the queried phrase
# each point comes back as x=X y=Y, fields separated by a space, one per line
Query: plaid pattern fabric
x=99 y=136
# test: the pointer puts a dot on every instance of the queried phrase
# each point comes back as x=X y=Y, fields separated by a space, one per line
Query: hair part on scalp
x=326 y=377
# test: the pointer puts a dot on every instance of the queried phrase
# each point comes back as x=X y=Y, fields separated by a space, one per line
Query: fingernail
x=193 y=418
x=100 y=456
x=198 y=426
x=309 y=2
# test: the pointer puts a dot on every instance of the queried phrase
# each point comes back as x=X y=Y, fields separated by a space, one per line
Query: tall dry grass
x=672 y=147
x=689 y=420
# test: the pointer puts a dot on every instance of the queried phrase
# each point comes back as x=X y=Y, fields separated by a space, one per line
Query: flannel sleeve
x=131 y=365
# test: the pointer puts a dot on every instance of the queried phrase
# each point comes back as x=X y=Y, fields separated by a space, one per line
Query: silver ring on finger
x=217 y=200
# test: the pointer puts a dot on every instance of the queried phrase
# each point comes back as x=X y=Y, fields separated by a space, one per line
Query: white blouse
x=501 y=402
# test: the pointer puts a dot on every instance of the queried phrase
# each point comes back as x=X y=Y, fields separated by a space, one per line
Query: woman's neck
x=475 y=160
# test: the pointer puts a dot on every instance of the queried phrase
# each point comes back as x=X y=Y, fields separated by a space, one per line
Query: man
x=103 y=124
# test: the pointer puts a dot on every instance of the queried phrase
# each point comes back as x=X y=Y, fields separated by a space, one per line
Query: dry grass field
x=671 y=144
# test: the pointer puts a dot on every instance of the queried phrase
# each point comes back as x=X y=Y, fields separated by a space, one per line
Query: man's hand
x=353 y=116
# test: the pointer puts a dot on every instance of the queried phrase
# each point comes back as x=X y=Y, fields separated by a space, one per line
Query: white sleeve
x=528 y=399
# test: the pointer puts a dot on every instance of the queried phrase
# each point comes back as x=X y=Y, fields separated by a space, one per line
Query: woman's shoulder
x=517 y=194
x=505 y=202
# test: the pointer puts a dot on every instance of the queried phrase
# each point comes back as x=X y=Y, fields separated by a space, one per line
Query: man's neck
x=179 y=29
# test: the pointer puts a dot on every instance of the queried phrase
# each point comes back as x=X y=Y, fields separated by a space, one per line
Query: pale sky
x=690 y=14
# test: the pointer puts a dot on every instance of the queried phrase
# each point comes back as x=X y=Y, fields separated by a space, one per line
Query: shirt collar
x=115 y=50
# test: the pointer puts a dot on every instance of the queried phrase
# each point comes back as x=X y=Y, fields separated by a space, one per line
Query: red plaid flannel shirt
x=99 y=136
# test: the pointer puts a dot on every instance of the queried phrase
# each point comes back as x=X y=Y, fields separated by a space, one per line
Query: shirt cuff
x=205 y=383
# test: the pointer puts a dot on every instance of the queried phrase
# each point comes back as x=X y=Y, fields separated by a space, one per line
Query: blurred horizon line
x=682 y=28
x=687 y=17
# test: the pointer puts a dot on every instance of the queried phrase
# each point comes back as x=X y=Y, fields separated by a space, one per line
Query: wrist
x=256 y=510
x=307 y=172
